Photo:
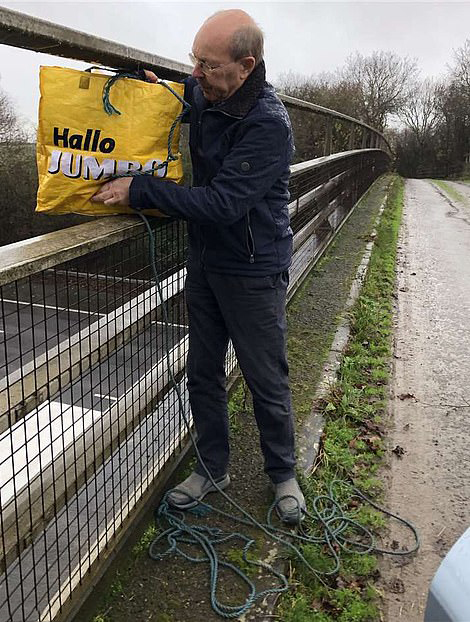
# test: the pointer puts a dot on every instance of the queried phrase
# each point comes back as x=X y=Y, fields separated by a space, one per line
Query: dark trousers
x=251 y=312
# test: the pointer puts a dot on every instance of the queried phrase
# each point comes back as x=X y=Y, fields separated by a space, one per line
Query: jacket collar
x=241 y=102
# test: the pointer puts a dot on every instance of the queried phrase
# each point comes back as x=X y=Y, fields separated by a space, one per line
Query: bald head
x=226 y=49
x=236 y=31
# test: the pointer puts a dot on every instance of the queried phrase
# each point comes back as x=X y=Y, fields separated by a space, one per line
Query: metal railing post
x=364 y=138
x=352 y=137
x=327 y=149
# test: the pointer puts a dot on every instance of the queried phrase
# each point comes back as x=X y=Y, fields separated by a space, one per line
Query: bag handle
x=139 y=74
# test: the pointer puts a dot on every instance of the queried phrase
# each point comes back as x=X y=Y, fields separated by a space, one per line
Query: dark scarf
x=241 y=102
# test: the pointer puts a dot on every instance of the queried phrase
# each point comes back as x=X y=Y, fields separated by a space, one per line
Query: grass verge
x=451 y=191
x=352 y=442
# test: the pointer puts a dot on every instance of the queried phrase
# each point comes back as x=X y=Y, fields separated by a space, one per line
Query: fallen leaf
x=378 y=428
x=406 y=396
x=374 y=442
x=398 y=451
x=316 y=605
x=396 y=586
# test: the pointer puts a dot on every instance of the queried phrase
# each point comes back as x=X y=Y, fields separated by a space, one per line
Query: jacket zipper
x=250 y=240
x=202 y=245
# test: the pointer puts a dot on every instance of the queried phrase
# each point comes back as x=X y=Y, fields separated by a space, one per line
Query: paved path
x=430 y=403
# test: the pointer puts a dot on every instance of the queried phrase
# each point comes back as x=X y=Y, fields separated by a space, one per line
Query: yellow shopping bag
x=79 y=145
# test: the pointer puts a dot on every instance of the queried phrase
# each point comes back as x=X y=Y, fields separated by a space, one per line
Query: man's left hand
x=115 y=192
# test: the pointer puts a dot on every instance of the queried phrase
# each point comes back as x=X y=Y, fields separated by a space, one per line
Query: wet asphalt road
x=430 y=401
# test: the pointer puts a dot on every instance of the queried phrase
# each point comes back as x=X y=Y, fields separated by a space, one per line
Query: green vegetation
x=146 y=540
x=352 y=442
x=451 y=191
x=237 y=404
x=235 y=556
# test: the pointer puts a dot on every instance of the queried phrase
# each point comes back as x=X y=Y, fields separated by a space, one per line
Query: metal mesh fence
x=87 y=418
x=88 y=415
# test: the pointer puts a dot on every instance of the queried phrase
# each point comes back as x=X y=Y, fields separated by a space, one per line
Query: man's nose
x=197 y=73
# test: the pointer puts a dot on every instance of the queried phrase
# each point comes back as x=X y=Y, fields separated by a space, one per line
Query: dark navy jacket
x=237 y=213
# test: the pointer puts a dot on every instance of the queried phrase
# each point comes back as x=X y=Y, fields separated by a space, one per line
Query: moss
x=235 y=556
x=145 y=541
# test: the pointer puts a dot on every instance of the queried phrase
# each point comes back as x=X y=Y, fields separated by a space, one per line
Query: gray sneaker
x=291 y=508
x=194 y=488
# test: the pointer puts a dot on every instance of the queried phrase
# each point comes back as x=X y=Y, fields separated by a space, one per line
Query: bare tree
x=10 y=128
x=461 y=70
x=18 y=178
x=330 y=91
x=384 y=80
x=422 y=113
x=327 y=89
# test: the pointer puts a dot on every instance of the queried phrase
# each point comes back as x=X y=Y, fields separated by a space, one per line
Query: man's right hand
x=150 y=76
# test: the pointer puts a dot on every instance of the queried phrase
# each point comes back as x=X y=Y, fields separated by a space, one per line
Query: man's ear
x=248 y=64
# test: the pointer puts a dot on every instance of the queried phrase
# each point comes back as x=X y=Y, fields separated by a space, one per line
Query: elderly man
x=240 y=246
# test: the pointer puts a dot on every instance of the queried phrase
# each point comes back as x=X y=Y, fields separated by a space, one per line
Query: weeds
x=237 y=405
x=146 y=540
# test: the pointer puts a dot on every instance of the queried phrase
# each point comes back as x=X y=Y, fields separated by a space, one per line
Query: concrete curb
x=309 y=436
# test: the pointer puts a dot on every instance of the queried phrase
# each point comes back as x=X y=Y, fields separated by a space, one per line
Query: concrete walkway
x=430 y=401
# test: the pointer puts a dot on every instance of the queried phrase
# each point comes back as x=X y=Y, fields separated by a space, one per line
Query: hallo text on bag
x=78 y=141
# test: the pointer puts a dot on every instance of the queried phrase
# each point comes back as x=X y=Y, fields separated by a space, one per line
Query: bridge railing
x=89 y=420
x=24 y=31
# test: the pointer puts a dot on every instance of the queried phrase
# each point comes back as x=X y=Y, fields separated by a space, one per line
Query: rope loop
x=110 y=110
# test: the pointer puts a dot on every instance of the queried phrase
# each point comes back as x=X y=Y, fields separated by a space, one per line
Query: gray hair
x=247 y=41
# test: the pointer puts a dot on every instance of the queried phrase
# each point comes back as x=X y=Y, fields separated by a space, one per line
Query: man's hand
x=115 y=192
x=151 y=77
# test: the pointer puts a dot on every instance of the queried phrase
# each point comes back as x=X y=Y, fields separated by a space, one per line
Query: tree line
x=427 y=121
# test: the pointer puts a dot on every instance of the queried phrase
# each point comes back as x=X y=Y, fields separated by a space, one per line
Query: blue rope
x=207 y=539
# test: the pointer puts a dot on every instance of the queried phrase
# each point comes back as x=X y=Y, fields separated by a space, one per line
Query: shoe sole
x=222 y=485
x=291 y=519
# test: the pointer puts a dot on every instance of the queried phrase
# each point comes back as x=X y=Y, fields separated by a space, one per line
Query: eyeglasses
x=206 y=68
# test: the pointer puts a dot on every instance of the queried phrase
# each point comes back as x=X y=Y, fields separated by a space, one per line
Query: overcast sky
x=304 y=37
